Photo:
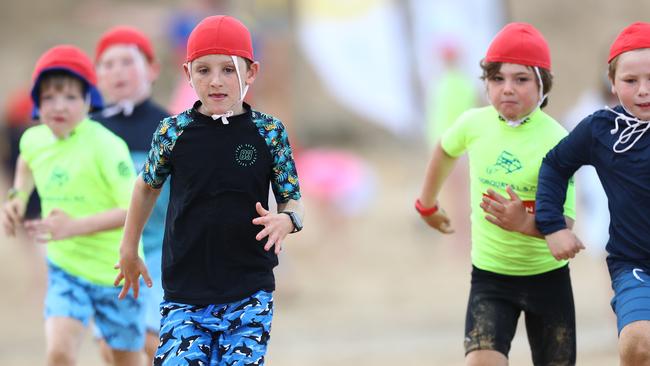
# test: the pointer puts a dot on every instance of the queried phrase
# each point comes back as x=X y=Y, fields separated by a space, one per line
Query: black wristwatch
x=297 y=224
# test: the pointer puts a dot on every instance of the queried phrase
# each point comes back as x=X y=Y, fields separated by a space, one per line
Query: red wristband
x=425 y=211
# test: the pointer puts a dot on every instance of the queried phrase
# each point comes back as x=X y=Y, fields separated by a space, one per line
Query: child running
x=126 y=69
x=84 y=176
x=221 y=242
x=615 y=142
x=512 y=272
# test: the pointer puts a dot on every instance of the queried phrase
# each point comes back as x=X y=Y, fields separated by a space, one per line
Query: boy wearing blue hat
x=83 y=174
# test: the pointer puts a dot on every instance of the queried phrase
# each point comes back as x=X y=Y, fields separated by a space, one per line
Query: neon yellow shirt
x=500 y=155
x=87 y=173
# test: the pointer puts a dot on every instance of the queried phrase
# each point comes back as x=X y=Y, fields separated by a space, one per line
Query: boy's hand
x=564 y=244
x=131 y=267
x=12 y=215
x=439 y=221
x=508 y=214
x=276 y=227
x=57 y=225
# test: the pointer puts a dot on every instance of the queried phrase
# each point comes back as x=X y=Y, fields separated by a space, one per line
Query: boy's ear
x=251 y=74
x=611 y=83
x=153 y=71
x=186 y=69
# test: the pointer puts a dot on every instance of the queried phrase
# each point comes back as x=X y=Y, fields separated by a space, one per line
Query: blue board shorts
x=631 y=301
x=119 y=321
x=236 y=333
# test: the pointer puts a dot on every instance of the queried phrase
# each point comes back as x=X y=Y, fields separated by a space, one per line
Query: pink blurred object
x=337 y=177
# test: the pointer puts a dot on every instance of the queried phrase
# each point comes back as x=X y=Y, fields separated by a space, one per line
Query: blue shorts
x=120 y=321
x=631 y=301
x=236 y=333
x=153 y=296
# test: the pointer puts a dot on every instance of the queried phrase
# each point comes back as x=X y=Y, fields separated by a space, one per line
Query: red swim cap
x=222 y=35
x=123 y=34
x=520 y=43
x=635 y=36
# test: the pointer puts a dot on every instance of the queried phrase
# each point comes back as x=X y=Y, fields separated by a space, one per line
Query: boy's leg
x=64 y=336
x=550 y=319
x=491 y=319
x=68 y=308
x=631 y=303
x=249 y=326
x=186 y=338
x=120 y=324
x=154 y=296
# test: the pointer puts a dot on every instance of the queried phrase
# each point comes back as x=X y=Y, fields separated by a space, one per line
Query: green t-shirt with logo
x=500 y=155
x=87 y=173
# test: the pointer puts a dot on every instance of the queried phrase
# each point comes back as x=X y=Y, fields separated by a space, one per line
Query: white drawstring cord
x=633 y=124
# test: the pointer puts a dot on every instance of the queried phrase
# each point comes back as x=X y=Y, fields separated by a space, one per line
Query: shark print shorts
x=233 y=334
x=119 y=321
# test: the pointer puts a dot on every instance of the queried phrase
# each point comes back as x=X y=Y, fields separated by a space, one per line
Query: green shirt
x=500 y=155
x=87 y=173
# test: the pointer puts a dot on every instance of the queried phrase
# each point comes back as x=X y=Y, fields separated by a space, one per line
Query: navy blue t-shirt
x=625 y=178
x=218 y=172
x=136 y=130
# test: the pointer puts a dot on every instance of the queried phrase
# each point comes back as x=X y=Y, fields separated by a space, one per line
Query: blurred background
x=365 y=88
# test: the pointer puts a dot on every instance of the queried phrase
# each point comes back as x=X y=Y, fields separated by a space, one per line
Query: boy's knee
x=60 y=357
x=634 y=344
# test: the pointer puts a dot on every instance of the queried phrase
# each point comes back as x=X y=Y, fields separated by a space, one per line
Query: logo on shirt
x=507 y=162
x=59 y=177
x=123 y=169
x=245 y=155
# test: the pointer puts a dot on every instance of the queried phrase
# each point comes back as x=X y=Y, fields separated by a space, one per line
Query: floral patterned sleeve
x=157 y=166
x=284 y=180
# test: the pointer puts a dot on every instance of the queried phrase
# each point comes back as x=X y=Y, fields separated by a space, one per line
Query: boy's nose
x=644 y=87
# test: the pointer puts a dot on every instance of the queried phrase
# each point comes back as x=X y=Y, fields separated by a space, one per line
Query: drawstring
x=634 y=126
x=242 y=92
x=125 y=107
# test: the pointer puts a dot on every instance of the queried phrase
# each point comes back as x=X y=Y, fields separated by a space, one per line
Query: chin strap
x=634 y=126
x=123 y=106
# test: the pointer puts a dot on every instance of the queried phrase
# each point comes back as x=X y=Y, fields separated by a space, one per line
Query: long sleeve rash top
x=625 y=178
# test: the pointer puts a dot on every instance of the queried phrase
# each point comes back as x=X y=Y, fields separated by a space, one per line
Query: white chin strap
x=542 y=98
x=242 y=92
x=634 y=127
x=124 y=106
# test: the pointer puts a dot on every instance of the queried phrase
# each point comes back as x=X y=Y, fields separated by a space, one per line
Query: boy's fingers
x=269 y=243
x=260 y=220
x=260 y=210
x=118 y=279
x=262 y=234
x=512 y=194
x=125 y=289
x=136 y=288
x=147 y=278
x=496 y=196
x=278 y=248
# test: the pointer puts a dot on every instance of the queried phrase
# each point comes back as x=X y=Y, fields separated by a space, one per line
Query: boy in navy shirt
x=126 y=69
x=616 y=142
x=221 y=156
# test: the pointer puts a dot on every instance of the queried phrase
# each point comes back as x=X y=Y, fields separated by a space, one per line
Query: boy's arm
x=557 y=168
x=131 y=265
x=511 y=214
x=14 y=208
x=59 y=225
x=438 y=170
